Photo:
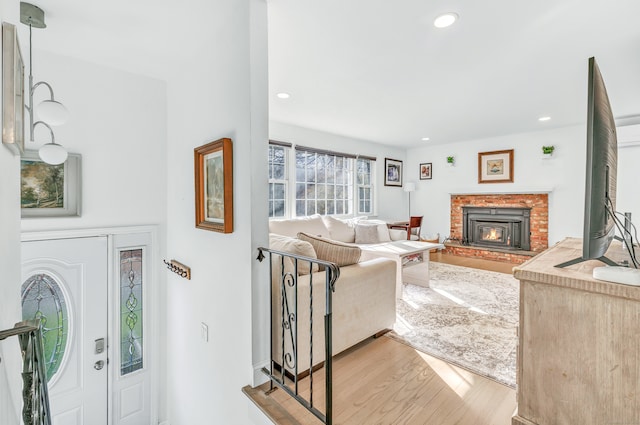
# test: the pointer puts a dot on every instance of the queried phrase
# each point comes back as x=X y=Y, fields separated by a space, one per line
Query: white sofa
x=354 y=230
x=364 y=301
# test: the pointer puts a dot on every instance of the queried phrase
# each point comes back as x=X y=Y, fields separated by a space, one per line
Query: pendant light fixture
x=51 y=112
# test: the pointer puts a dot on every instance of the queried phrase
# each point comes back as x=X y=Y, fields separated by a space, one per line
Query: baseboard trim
x=259 y=377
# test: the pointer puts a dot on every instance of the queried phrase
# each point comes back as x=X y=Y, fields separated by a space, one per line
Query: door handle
x=98 y=365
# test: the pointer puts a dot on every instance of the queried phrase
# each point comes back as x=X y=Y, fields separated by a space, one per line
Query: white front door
x=65 y=285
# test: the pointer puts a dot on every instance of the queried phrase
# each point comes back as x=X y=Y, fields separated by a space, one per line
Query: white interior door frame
x=153 y=294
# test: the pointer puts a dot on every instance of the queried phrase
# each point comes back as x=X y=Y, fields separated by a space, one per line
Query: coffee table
x=406 y=254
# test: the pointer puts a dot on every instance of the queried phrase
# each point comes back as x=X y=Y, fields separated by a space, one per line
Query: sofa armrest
x=364 y=303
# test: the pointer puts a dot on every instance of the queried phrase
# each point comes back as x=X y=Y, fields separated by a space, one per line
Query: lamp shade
x=53 y=153
x=52 y=112
x=410 y=187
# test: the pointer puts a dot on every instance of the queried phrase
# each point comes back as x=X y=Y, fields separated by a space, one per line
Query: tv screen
x=601 y=176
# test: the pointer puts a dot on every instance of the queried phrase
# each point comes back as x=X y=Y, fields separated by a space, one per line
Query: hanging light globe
x=52 y=112
x=53 y=153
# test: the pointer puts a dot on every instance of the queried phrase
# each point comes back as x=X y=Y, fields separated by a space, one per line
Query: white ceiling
x=378 y=69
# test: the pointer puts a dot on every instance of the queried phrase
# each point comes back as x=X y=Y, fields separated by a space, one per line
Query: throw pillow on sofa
x=333 y=251
x=367 y=233
x=293 y=246
x=339 y=230
x=383 y=230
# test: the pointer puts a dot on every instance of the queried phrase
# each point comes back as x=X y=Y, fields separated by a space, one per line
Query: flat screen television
x=602 y=159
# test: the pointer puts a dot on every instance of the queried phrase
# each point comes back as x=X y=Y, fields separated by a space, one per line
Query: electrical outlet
x=204 y=332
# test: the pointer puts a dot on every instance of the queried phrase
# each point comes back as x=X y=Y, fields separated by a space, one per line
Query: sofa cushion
x=312 y=224
x=367 y=233
x=293 y=246
x=383 y=230
x=340 y=230
x=333 y=251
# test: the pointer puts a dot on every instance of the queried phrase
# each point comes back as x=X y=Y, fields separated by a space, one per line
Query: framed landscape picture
x=49 y=190
x=425 y=171
x=214 y=186
x=495 y=167
x=392 y=172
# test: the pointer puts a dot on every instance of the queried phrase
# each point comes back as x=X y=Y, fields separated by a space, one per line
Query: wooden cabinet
x=579 y=343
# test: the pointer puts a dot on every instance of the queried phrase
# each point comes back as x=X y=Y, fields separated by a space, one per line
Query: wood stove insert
x=496 y=227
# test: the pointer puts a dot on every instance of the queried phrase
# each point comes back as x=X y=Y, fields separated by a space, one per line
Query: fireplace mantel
x=484 y=191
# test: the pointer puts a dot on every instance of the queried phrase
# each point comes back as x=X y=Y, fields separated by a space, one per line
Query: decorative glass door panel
x=133 y=351
x=131 y=313
x=43 y=298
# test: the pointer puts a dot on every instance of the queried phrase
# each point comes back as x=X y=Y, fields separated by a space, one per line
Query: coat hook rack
x=178 y=268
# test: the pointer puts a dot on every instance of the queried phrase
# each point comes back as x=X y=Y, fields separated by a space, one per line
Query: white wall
x=118 y=125
x=212 y=96
x=389 y=197
x=10 y=381
x=563 y=173
x=628 y=199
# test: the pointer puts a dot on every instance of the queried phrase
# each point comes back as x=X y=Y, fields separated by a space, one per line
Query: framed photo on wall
x=49 y=190
x=214 y=186
x=392 y=172
x=12 y=90
x=495 y=167
x=425 y=171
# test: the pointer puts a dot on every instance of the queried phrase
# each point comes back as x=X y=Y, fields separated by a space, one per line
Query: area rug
x=467 y=317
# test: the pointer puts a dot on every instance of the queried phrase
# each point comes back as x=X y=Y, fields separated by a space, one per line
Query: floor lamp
x=409 y=187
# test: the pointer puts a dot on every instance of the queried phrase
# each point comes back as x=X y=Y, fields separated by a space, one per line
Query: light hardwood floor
x=381 y=381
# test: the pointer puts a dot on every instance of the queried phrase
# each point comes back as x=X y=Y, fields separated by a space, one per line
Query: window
x=278 y=180
x=364 y=171
x=326 y=182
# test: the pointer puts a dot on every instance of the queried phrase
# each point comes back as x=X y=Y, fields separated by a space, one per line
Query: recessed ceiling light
x=425 y=139
x=445 y=20
x=544 y=118
x=283 y=95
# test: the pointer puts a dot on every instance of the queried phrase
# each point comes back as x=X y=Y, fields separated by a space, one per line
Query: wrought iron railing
x=35 y=395
x=283 y=371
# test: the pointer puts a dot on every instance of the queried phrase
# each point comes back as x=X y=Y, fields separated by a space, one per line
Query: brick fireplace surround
x=539 y=204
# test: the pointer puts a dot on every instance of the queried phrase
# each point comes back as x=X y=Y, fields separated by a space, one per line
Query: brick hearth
x=539 y=204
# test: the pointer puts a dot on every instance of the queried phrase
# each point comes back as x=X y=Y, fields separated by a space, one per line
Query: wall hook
x=178 y=268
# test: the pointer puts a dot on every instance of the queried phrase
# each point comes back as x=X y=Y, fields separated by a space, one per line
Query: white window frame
x=353 y=201
x=371 y=186
x=287 y=160
x=347 y=184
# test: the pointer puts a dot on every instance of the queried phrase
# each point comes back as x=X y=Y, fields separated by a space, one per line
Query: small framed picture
x=495 y=167
x=425 y=171
x=214 y=186
x=49 y=190
x=392 y=172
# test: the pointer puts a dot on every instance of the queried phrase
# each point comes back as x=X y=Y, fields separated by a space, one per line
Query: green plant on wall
x=450 y=160
x=548 y=150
